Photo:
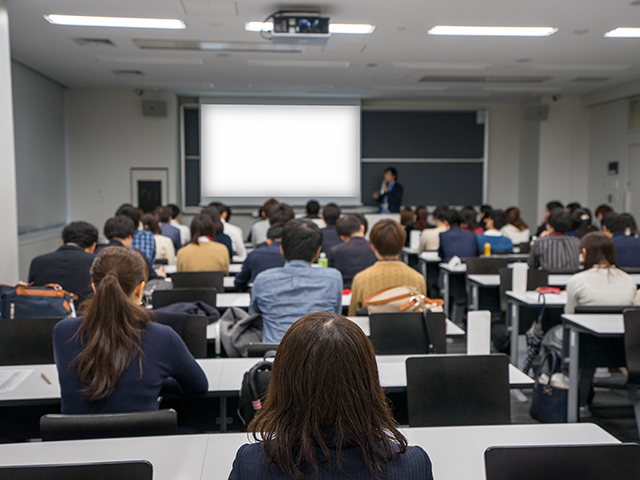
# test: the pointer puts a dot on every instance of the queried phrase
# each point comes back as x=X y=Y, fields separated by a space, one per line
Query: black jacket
x=351 y=258
x=394 y=198
x=330 y=238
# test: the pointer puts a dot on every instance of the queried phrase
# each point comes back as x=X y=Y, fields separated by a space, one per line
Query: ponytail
x=110 y=330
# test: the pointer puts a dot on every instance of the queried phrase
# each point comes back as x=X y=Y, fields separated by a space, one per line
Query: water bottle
x=323 y=261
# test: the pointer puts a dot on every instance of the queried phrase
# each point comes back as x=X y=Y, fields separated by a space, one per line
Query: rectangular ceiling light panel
x=119 y=22
x=623 y=33
x=493 y=31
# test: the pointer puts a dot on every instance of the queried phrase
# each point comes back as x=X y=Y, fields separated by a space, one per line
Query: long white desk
x=457 y=453
x=243 y=300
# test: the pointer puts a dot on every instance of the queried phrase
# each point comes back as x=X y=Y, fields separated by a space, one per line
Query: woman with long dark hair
x=114 y=358
x=515 y=229
x=325 y=415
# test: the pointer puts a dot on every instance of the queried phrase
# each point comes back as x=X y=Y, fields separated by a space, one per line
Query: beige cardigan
x=204 y=257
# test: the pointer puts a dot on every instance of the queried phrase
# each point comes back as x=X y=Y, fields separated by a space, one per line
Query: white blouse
x=600 y=286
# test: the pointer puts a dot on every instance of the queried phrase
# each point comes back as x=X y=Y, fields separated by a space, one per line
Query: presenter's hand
x=385 y=189
x=376 y=195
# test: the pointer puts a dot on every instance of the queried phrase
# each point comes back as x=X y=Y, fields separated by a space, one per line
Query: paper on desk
x=455 y=261
x=10 y=379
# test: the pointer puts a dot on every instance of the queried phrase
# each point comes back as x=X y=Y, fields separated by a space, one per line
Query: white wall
x=9 y=230
x=107 y=135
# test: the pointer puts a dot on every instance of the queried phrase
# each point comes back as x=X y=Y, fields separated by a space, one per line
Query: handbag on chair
x=401 y=299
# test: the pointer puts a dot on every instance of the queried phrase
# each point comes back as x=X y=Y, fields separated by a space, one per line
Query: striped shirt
x=556 y=252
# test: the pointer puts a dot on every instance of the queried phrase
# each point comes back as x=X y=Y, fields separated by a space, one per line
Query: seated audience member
x=455 y=241
x=326 y=415
x=515 y=229
x=600 y=211
x=355 y=254
x=218 y=227
x=493 y=236
x=313 y=213
x=281 y=214
x=572 y=207
x=430 y=237
x=485 y=210
x=468 y=221
x=422 y=214
x=601 y=283
x=114 y=358
x=330 y=215
x=387 y=239
x=258 y=233
x=582 y=222
x=164 y=214
x=142 y=239
x=261 y=259
x=69 y=265
x=185 y=231
x=627 y=247
x=203 y=253
x=232 y=231
x=550 y=207
x=407 y=219
x=283 y=295
x=120 y=231
x=164 y=245
x=630 y=224
x=556 y=251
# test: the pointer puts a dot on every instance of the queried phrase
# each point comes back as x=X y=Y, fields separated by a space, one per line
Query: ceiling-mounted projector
x=300 y=29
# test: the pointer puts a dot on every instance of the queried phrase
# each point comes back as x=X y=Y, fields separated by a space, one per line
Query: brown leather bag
x=401 y=299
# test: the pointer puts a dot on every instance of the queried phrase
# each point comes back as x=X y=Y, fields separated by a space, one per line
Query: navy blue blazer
x=414 y=464
x=258 y=261
x=456 y=241
x=627 y=250
x=225 y=239
x=330 y=238
x=352 y=257
x=173 y=233
x=68 y=266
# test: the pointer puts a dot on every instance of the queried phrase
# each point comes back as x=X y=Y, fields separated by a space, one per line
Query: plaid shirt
x=143 y=240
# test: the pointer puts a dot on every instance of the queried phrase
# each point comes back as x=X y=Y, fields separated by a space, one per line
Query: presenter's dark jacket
x=115 y=243
x=352 y=257
x=165 y=361
x=414 y=464
x=627 y=250
x=258 y=261
x=457 y=242
x=394 y=198
x=68 y=266
x=330 y=238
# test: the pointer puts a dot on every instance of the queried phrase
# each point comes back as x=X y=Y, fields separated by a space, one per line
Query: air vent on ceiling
x=590 y=79
x=128 y=73
x=98 y=42
x=482 y=79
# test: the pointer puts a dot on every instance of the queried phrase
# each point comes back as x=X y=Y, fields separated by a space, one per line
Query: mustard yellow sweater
x=205 y=257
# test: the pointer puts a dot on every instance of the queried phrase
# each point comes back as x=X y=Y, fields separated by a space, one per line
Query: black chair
x=535 y=279
x=632 y=356
x=26 y=341
x=133 y=470
x=162 y=298
x=450 y=390
x=630 y=270
x=407 y=333
x=199 y=280
x=161 y=261
x=54 y=427
x=485 y=265
x=193 y=332
x=525 y=247
x=604 y=309
x=563 y=462
x=260 y=349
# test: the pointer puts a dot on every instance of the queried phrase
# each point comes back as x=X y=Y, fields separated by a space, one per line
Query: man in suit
x=330 y=238
x=261 y=259
x=69 y=265
x=391 y=192
x=455 y=241
x=355 y=254
x=627 y=246
x=168 y=230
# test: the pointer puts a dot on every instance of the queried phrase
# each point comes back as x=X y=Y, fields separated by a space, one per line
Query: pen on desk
x=45 y=378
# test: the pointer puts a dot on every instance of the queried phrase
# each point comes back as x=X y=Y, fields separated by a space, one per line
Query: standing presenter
x=390 y=194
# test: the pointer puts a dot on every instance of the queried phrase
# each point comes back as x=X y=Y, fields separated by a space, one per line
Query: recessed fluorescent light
x=493 y=31
x=298 y=63
x=623 y=33
x=151 y=60
x=122 y=22
x=352 y=28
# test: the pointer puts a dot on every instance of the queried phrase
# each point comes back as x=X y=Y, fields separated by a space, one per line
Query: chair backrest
x=619 y=461
x=399 y=333
x=630 y=270
x=26 y=341
x=604 y=309
x=54 y=427
x=632 y=344
x=535 y=279
x=525 y=247
x=199 y=280
x=162 y=298
x=132 y=470
x=449 y=390
x=259 y=349
x=437 y=331
x=485 y=265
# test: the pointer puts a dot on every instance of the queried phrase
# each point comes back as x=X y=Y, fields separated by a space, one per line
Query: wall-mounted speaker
x=152 y=108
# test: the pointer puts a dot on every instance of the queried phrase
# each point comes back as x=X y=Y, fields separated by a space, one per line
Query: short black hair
x=499 y=218
x=222 y=208
x=331 y=213
x=130 y=211
x=164 y=213
x=613 y=222
x=175 y=210
x=275 y=231
x=573 y=206
x=120 y=226
x=452 y=217
x=312 y=207
x=437 y=213
x=82 y=234
x=347 y=225
x=301 y=240
x=214 y=215
x=281 y=214
x=553 y=204
x=560 y=220
x=630 y=223
x=393 y=172
x=364 y=221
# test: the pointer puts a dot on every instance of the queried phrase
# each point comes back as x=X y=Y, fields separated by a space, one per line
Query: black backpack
x=254 y=388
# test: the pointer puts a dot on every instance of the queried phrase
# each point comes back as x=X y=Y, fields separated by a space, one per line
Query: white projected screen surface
x=304 y=151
